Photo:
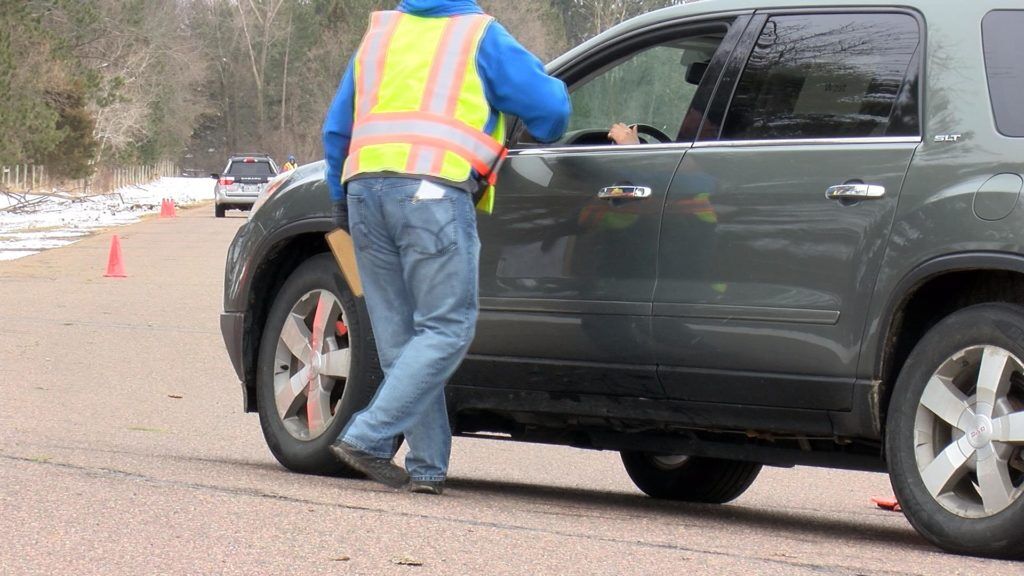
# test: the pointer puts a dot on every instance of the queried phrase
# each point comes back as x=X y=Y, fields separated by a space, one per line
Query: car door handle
x=627 y=191
x=855 y=192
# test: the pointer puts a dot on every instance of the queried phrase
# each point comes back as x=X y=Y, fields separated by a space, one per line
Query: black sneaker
x=434 y=487
x=382 y=470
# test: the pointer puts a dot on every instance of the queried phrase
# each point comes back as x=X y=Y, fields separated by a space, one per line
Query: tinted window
x=1004 y=64
x=256 y=168
x=825 y=76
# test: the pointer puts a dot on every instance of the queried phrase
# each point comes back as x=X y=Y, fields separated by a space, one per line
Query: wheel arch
x=933 y=291
x=277 y=257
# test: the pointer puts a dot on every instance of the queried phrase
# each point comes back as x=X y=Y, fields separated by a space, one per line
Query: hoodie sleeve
x=337 y=133
x=515 y=83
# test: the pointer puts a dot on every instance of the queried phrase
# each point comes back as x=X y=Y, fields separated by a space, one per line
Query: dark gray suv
x=814 y=256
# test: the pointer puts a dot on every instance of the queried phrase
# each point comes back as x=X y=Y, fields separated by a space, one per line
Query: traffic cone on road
x=115 y=264
x=167 y=208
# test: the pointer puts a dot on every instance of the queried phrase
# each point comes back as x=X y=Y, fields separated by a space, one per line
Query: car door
x=569 y=257
x=778 y=217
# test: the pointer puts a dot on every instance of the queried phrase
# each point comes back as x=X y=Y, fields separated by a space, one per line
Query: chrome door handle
x=614 y=192
x=855 y=192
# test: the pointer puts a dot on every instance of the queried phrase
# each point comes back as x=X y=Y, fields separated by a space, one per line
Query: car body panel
x=935 y=217
x=759 y=272
x=567 y=275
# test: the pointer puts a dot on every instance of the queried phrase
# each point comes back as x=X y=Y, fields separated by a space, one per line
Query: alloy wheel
x=311 y=364
x=969 y=432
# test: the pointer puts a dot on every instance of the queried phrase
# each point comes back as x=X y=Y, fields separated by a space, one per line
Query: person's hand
x=340 y=214
x=623 y=135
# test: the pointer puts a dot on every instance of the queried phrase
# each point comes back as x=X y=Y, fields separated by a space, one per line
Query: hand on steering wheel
x=622 y=134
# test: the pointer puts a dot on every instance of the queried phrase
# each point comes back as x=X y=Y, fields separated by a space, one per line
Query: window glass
x=1004 y=64
x=654 y=86
x=824 y=76
x=256 y=168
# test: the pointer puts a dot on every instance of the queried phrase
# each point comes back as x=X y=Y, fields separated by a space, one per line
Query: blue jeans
x=418 y=258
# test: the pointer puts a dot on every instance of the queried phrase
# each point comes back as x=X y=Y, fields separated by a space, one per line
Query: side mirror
x=695 y=73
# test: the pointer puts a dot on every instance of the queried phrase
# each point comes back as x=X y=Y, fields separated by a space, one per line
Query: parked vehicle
x=815 y=257
x=242 y=181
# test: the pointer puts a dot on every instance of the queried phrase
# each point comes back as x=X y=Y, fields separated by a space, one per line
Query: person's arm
x=337 y=133
x=515 y=83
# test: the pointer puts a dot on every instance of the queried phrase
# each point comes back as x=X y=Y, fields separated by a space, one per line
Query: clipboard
x=345 y=254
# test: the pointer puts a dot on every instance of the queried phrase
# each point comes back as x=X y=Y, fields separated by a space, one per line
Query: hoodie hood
x=439 y=8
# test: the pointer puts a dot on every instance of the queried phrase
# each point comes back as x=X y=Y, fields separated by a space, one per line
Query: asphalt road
x=123 y=450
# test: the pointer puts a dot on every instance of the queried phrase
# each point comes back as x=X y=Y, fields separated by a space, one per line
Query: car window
x=257 y=168
x=825 y=76
x=1001 y=31
x=653 y=86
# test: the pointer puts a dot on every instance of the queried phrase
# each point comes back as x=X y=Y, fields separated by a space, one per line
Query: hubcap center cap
x=979 y=433
x=316 y=363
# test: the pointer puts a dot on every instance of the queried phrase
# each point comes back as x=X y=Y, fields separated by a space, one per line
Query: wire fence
x=28 y=178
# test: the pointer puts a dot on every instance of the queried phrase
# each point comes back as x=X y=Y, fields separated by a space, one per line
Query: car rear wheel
x=955 y=433
x=315 y=358
x=218 y=210
x=689 y=478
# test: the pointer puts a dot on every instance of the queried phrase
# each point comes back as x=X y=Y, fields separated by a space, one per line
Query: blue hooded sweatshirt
x=514 y=83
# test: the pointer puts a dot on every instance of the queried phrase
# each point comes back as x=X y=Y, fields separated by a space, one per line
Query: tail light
x=227 y=181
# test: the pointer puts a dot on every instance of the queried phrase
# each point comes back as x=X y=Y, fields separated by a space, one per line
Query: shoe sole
x=395 y=477
x=426 y=490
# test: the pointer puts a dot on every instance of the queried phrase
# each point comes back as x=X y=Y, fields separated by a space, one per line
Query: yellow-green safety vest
x=420 y=106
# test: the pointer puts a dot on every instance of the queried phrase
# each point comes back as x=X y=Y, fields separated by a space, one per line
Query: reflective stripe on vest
x=428 y=122
x=427 y=131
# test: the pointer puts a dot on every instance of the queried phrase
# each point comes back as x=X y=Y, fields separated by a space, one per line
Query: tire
x=293 y=433
x=218 y=210
x=958 y=474
x=689 y=478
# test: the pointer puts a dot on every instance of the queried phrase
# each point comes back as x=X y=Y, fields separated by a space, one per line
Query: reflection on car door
x=569 y=258
x=764 y=281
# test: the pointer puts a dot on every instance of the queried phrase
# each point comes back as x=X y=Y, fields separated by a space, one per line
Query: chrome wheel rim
x=969 y=432
x=311 y=364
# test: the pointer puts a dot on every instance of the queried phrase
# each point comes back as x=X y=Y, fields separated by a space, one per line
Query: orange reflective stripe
x=372 y=58
x=438 y=142
x=476 y=24
x=383 y=122
x=444 y=83
x=492 y=173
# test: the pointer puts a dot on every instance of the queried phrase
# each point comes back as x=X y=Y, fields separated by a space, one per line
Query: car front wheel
x=955 y=433
x=315 y=367
x=689 y=478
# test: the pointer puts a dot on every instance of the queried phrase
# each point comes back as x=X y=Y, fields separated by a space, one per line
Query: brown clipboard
x=345 y=254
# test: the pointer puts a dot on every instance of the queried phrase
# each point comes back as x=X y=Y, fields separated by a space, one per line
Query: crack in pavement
x=101 y=472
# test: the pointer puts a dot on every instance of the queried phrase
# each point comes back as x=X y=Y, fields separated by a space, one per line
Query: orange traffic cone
x=171 y=212
x=115 y=264
x=166 y=208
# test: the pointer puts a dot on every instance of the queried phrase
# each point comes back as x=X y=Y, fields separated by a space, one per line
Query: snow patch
x=41 y=222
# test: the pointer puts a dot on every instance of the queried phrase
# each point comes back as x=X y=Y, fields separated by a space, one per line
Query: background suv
x=242 y=181
x=815 y=257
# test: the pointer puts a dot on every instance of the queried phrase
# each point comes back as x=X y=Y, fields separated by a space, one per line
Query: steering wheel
x=652 y=133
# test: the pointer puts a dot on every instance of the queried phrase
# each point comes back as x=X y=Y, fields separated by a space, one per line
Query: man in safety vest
x=413 y=138
x=290 y=164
